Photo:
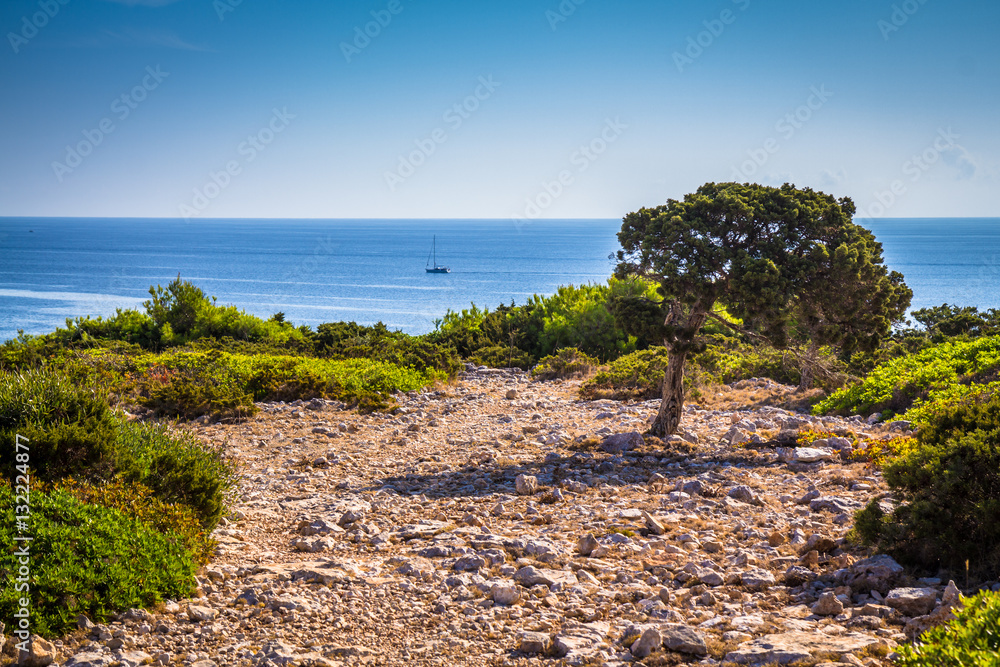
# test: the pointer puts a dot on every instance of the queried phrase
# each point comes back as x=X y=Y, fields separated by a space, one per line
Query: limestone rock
x=586 y=544
x=951 y=599
x=648 y=642
x=879 y=573
x=532 y=576
x=201 y=614
x=912 y=601
x=505 y=594
x=622 y=442
x=526 y=485
x=534 y=642
x=683 y=639
x=757 y=579
x=40 y=653
x=790 y=647
x=828 y=605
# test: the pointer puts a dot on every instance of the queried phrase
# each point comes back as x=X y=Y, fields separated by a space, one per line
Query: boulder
x=912 y=601
x=646 y=644
x=757 y=579
x=828 y=605
x=616 y=443
x=505 y=594
x=879 y=573
x=526 y=485
x=798 y=646
x=534 y=642
x=531 y=576
x=40 y=653
x=683 y=639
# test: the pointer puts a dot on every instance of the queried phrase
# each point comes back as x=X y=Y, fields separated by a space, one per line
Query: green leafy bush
x=72 y=432
x=91 y=560
x=943 y=374
x=948 y=487
x=638 y=375
x=71 y=429
x=139 y=501
x=177 y=467
x=568 y=362
x=971 y=639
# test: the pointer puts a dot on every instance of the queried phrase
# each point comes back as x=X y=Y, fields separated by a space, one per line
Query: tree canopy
x=788 y=262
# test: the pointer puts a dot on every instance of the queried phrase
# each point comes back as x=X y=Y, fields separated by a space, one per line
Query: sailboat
x=435 y=268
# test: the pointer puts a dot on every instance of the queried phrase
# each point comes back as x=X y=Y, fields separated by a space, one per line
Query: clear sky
x=491 y=109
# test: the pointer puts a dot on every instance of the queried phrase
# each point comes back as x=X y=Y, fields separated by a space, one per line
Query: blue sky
x=255 y=108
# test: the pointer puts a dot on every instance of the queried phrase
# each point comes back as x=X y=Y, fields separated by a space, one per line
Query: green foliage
x=638 y=375
x=946 y=321
x=934 y=377
x=72 y=432
x=87 y=559
x=771 y=256
x=971 y=639
x=569 y=362
x=348 y=340
x=177 y=468
x=948 y=487
x=139 y=501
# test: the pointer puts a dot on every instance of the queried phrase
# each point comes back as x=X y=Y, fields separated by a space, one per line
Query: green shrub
x=139 y=501
x=177 y=467
x=569 y=362
x=72 y=431
x=945 y=373
x=91 y=560
x=971 y=639
x=948 y=487
x=638 y=375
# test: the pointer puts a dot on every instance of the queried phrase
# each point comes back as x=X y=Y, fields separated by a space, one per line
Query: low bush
x=634 y=376
x=947 y=484
x=945 y=373
x=139 y=501
x=87 y=559
x=177 y=468
x=971 y=639
x=71 y=432
x=568 y=362
x=71 y=429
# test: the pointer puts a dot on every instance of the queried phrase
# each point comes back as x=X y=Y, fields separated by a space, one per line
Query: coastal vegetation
x=103 y=400
x=788 y=262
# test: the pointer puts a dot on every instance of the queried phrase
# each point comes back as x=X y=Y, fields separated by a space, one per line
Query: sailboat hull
x=438 y=269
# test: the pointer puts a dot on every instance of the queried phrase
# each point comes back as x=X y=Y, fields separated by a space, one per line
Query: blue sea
x=373 y=270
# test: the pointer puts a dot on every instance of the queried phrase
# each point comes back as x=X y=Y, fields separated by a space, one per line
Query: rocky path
x=500 y=521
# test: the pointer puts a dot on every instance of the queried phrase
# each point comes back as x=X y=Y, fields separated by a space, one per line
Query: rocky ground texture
x=499 y=521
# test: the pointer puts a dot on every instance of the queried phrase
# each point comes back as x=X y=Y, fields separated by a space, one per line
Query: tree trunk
x=808 y=368
x=668 y=419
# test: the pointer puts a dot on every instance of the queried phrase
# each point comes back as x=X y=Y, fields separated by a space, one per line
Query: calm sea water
x=370 y=271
